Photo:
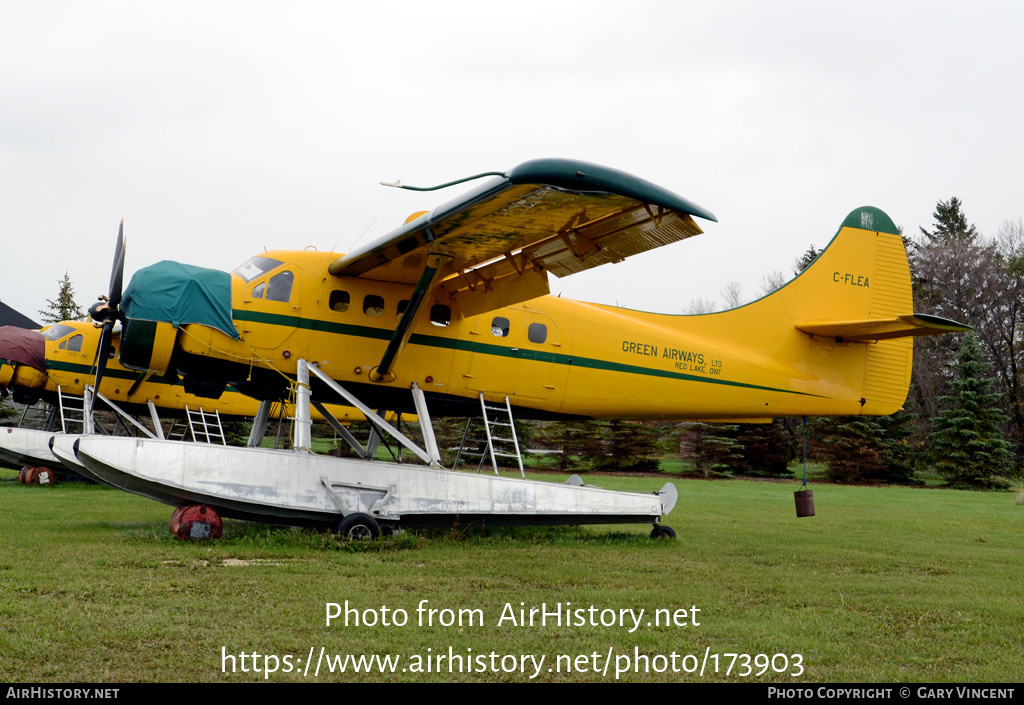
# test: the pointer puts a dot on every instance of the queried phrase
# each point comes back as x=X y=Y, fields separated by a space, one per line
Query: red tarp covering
x=23 y=346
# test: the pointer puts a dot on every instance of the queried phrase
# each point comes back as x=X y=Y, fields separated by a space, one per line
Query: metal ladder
x=202 y=426
x=72 y=412
x=496 y=425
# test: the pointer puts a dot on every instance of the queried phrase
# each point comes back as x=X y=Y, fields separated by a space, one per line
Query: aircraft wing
x=494 y=245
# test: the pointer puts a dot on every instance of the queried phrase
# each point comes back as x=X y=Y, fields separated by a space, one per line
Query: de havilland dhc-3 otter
x=452 y=311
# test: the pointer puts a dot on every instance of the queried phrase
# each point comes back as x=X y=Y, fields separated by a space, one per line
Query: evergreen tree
x=64 y=308
x=950 y=224
x=851 y=445
x=967 y=442
x=766 y=448
x=711 y=448
x=804 y=260
x=952 y=270
x=236 y=432
x=897 y=446
x=580 y=443
x=866 y=448
x=630 y=446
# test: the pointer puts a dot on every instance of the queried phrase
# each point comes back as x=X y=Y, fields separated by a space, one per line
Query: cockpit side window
x=279 y=288
x=72 y=344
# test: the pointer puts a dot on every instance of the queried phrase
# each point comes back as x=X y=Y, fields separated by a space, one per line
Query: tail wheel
x=359 y=527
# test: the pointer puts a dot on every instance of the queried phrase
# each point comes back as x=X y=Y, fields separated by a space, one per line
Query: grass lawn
x=884 y=584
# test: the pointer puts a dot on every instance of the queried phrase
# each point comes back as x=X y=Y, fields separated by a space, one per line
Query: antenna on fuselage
x=352 y=247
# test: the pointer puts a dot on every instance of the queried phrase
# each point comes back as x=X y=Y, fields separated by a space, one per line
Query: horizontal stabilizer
x=912 y=324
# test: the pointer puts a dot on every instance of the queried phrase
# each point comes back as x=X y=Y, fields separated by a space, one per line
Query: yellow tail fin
x=841 y=333
x=858 y=293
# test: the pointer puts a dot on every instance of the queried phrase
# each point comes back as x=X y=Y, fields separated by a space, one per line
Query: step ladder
x=497 y=426
x=198 y=426
x=71 y=411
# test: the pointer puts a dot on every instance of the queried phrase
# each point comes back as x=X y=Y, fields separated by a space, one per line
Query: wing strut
x=401 y=335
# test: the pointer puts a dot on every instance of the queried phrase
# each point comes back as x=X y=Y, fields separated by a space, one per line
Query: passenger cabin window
x=340 y=301
x=440 y=315
x=279 y=288
x=537 y=333
x=402 y=305
x=500 y=327
x=373 y=305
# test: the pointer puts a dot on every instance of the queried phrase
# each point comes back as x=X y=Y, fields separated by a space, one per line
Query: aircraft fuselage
x=553 y=357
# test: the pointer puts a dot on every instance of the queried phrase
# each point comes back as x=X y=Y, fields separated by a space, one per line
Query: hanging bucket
x=804 y=503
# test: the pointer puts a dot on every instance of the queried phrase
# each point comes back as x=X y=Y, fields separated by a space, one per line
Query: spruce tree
x=804 y=260
x=579 y=443
x=766 y=448
x=967 y=442
x=866 y=448
x=897 y=446
x=851 y=445
x=630 y=446
x=950 y=224
x=711 y=448
x=64 y=308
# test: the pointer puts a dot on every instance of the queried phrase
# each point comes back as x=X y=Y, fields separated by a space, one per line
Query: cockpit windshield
x=58 y=331
x=255 y=267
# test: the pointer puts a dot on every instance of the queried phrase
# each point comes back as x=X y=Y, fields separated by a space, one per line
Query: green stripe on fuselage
x=434 y=341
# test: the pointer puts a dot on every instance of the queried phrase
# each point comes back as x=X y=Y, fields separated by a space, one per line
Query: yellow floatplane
x=452 y=311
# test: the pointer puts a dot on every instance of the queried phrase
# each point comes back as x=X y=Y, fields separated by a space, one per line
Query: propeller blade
x=117 y=270
x=103 y=353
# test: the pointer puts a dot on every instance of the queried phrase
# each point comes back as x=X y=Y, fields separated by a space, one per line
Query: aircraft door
x=543 y=372
x=515 y=352
x=273 y=310
x=494 y=355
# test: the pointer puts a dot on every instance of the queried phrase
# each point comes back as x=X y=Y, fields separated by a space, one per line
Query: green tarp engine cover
x=180 y=294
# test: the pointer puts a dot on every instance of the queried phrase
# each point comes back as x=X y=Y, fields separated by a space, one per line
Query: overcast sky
x=217 y=129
